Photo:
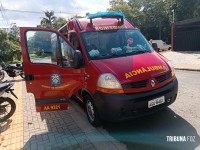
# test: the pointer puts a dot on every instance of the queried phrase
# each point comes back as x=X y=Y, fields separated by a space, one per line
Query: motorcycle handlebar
x=7 y=87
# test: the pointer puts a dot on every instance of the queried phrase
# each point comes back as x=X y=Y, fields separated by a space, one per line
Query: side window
x=74 y=40
x=67 y=53
x=47 y=47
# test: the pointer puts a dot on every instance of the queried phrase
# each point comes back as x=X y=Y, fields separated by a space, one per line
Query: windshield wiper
x=138 y=52
x=144 y=51
x=119 y=54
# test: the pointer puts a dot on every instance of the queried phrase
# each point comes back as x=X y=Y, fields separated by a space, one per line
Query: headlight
x=108 y=83
x=172 y=67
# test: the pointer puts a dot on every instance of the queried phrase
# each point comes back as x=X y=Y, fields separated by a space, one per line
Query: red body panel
x=126 y=69
x=124 y=65
x=71 y=79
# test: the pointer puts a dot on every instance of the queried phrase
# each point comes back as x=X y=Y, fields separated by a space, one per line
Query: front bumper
x=118 y=107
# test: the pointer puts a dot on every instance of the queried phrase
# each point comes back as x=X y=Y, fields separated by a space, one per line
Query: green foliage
x=48 y=20
x=197 y=9
x=51 y=21
x=59 y=22
x=115 y=2
x=9 y=46
x=154 y=18
x=14 y=30
x=126 y=9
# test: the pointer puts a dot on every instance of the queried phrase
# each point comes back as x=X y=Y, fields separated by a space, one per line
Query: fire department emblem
x=55 y=80
x=153 y=83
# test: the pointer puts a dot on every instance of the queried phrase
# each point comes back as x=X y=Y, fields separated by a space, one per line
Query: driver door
x=50 y=74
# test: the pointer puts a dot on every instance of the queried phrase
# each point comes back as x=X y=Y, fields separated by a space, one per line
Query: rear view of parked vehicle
x=162 y=45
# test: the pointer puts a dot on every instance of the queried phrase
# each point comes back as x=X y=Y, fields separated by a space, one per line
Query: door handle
x=29 y=77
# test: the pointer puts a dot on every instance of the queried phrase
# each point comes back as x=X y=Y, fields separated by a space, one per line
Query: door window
x=67 y=53
x=48 y=47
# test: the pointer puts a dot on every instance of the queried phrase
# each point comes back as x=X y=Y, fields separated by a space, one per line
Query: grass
x=45 y=55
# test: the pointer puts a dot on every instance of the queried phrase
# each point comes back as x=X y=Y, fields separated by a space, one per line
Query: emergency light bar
x=116 y=15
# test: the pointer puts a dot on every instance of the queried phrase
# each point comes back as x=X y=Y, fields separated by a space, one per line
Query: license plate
x=52 y=107
x=157 y=101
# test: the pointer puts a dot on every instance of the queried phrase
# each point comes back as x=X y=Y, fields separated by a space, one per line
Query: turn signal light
x=110 y=91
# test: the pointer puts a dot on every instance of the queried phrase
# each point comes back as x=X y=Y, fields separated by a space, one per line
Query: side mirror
x=155 y=46
x=18 y=64
x=78 y=59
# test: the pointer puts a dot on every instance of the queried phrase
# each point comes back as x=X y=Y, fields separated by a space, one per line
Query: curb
x=187 y=69
x=98 y=136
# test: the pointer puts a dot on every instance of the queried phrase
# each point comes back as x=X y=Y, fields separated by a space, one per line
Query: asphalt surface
x=71 y=130
x=182 y=118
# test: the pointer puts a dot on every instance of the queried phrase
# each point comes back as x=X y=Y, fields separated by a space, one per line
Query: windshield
x=114 y=43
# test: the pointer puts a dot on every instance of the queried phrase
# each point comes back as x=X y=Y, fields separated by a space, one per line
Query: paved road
x=182 y=118
x=71 y=130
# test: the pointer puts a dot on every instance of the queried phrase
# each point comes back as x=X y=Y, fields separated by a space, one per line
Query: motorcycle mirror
x=18 y=64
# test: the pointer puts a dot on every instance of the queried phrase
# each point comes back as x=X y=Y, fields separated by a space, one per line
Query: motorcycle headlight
x=172 y=68
x=108 y=83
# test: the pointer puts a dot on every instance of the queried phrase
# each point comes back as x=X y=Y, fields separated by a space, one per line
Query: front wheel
x=7 y=108
x=2 y=75
x=91 y=112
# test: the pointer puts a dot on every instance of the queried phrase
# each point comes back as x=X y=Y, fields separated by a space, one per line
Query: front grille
x=163 y=78
x=139 y=84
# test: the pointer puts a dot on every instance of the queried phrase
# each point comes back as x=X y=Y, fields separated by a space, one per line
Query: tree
x=14 y=30
x=183 y=9
x=126 y=9
x=9 y=46
x=59 y=22
x=151 y=17
x=154 y=18
x=197 y=9
x=115 y=2
x=48 y=20
x=52 y=21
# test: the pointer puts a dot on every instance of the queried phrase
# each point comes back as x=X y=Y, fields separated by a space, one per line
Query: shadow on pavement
x=5 y=125
x=59 y=130
x=54 y=130
x=151 y=132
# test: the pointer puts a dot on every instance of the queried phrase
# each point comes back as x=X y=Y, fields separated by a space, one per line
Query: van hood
x=133 y=68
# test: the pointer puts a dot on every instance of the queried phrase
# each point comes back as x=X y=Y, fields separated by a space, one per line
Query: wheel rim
x=5 y=109
x=90 y=110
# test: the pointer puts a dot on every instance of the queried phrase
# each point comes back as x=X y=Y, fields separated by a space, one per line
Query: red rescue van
x=104 y=61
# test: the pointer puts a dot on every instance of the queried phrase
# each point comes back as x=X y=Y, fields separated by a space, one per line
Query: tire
x=2 y=75
x=91 y=111
x=8 y=102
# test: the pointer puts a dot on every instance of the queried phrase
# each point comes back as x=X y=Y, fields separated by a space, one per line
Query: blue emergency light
x=117 y=15
x=106 y=15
